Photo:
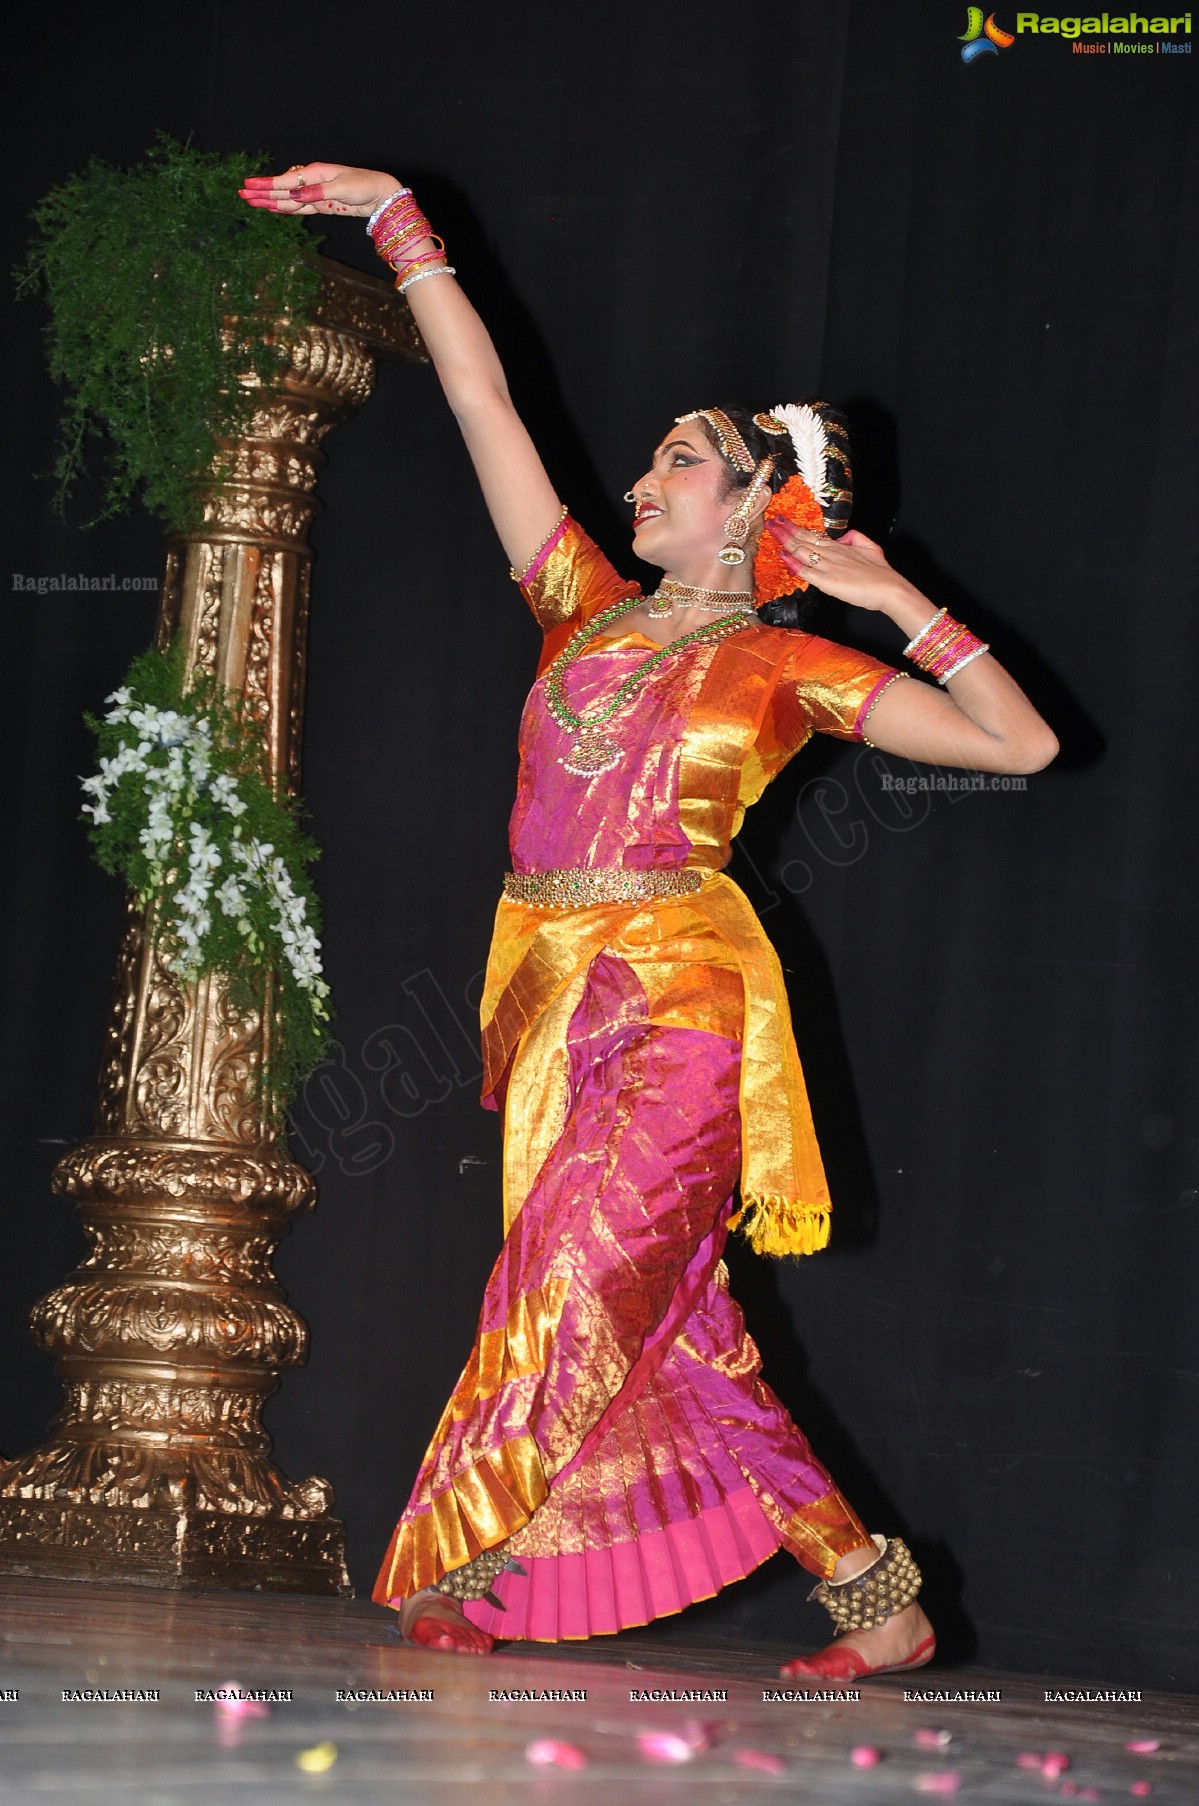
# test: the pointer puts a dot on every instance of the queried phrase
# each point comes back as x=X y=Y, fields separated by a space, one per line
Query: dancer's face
x=682 y=503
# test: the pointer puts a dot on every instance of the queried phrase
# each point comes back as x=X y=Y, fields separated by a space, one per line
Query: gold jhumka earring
x=737 y=525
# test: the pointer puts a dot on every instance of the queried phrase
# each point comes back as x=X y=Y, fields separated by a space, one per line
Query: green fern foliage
x=163 y=288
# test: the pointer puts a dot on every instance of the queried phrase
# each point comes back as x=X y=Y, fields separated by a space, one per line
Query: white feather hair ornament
x=822 y=486
x=810 y=441
x=813 y=449
x=820 y=438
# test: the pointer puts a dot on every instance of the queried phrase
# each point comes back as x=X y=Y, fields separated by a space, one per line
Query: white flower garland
x=171 y=788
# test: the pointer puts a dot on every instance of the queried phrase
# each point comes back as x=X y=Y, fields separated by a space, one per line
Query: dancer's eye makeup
x=683 y=453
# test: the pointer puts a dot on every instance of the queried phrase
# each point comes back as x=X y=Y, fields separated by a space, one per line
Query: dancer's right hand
x=320 y=188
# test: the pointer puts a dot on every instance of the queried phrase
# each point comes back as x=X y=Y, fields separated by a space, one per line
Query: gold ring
x=813 y=557
x=294 y=166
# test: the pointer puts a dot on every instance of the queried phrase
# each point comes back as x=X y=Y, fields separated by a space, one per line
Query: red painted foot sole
x=837 y=1664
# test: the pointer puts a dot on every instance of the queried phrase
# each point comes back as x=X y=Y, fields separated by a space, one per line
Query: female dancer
x=610 y=1452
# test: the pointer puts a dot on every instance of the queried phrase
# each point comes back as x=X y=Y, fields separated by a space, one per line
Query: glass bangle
x=443 y=269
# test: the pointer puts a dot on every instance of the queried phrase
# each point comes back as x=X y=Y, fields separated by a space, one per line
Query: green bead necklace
x=592 y=751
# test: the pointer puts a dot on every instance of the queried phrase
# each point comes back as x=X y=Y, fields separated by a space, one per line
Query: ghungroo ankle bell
x=890 y=1583
x=473 y=1580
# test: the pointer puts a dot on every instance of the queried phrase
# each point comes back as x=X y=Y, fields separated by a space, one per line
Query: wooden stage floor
x=459 y=1744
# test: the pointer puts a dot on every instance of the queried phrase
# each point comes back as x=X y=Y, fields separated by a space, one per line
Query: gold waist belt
x=579 y=886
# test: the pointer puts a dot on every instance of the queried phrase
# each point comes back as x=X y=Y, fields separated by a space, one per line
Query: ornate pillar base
x=170 y=1337
x=172 y=1548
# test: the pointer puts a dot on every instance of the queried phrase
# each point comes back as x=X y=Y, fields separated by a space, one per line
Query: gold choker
x=670 y=595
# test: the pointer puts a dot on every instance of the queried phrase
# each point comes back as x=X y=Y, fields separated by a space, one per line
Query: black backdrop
x=657 y=209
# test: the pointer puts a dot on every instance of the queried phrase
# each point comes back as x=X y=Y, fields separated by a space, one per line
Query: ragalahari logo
x=982 y=37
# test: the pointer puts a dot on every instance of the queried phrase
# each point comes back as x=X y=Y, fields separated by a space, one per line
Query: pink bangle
x=394 y=250
x=388 y=230
x=396 y=224
x=388 y=242
x=943 y=647
x=439 y=251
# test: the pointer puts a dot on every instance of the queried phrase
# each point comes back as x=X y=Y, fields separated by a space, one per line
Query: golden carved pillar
x=173 y=1331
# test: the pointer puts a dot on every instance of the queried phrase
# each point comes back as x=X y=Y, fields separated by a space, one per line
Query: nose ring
x=629 y=496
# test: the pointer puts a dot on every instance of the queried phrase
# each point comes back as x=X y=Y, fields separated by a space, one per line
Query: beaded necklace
x=591 y=751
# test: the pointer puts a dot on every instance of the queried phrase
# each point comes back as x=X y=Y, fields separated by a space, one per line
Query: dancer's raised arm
x=518 y=493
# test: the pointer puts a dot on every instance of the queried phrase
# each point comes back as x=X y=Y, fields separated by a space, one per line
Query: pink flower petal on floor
x=1142 y=1789
x=761 y=1760
x=239 y=1708
x=945 y=1780
x=932 y=1740
x=664 y=1747
x=1054 y=1764
x=1068 y=1789
x=551 y=1752
x=864 y=1755
x=1144 y=1746
x=1029 y=1759
x=697 y=1735
x=1089 y=1793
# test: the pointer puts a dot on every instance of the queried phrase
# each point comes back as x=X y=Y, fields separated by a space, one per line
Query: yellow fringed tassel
x=780 y=1226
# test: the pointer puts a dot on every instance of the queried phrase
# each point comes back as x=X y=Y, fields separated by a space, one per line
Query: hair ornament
x=817 y=499
x=820 y=440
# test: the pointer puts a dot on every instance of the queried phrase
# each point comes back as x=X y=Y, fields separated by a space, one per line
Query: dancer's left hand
x=852 y=568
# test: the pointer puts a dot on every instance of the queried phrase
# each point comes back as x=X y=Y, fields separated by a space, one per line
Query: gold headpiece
x=727 y=437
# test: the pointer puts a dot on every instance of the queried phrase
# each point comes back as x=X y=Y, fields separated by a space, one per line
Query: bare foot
x=904 y=1641
x=435 y=1621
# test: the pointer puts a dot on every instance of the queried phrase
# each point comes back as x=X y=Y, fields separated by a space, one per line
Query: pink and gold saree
x=611 y=1430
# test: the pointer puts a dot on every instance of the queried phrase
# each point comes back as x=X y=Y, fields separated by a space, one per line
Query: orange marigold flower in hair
x=772 y=577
